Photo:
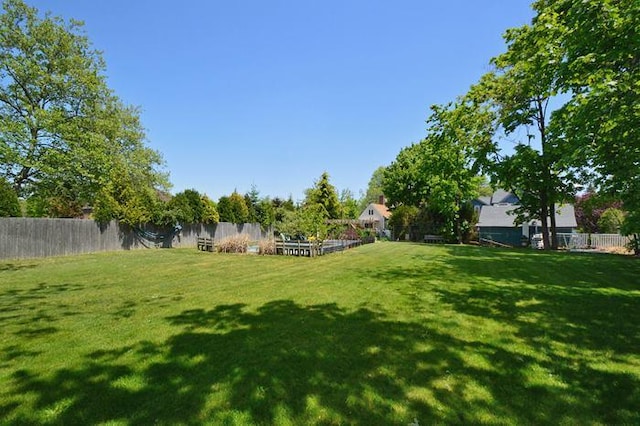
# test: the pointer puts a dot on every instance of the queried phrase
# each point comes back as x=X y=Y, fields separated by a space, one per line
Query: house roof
x=382 y=209
x=485 y=200
x=499 y=196
x=499 y=216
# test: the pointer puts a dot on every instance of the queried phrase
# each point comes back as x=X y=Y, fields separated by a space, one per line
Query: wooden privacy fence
x=583 y=241
x=42 y=237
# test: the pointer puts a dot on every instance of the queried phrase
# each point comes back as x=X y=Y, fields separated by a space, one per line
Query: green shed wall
x=511 y=236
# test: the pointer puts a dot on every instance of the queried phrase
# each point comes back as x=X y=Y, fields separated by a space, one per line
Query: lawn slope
x=382 y=334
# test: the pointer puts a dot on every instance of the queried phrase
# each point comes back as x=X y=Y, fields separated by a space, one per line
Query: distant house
x=497 y=221
x=376 y=216
x=499 y=198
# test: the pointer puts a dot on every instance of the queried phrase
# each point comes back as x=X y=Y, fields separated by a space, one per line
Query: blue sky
x=273 y=93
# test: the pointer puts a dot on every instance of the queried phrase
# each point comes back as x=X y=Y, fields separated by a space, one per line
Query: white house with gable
x=376 y=216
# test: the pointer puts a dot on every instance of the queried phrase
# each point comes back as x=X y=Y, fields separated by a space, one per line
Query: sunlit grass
x=387 y=333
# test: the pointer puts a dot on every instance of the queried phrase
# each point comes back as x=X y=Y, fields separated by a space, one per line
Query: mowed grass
x=388 y=333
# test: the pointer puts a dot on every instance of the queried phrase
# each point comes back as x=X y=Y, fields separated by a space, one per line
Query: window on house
x=370 y=212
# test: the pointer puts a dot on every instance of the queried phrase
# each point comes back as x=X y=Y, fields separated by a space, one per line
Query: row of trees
x=566 y=90
x=310 y=217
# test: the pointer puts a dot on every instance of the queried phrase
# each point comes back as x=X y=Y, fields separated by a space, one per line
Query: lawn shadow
x=535 y=267
x=9 y=266
x=318 y=364
x=27 y=306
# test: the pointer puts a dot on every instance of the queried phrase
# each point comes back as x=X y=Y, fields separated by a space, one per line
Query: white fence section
x=583 y=241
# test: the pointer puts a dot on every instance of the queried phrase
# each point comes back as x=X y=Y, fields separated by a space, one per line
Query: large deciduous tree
x=588 y=52
x=600 y=69
x=442 y=172
x=62 y=131
x=520 y=90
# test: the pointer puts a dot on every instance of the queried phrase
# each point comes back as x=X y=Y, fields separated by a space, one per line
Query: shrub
x=9 y=205
x=267 y=247
x=236 y=244
x=611 y=221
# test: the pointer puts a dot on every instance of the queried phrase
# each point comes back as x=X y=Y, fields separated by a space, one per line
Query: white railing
x=592 y=240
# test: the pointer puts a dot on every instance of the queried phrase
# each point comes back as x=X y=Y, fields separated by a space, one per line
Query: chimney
x=381 y=199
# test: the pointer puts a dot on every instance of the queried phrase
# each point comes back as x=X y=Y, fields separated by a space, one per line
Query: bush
x=237 y=244
x=611 y=221
x=267 y=247
x=9 y=205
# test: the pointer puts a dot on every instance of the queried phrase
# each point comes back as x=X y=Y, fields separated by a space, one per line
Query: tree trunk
x=544 y=214
x=554 y=232
x=547 y=198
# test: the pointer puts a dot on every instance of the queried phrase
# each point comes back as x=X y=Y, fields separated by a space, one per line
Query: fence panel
x=583 y=241
x=43 y=237
x=608 y=240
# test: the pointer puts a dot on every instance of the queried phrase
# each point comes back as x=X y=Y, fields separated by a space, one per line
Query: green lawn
x=382 y=334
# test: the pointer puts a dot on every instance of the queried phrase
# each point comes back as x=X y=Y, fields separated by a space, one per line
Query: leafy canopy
x=62 y=130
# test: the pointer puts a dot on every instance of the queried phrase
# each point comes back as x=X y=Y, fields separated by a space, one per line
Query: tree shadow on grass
x=316 y=364
x=545 y=268
x=10 y=266
x=590 y=301
x=578 y=314
x=28 y=308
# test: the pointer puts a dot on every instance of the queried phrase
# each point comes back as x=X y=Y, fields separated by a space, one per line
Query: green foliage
x=589 y=208
x=374 y=189
x=189 y=206
x=519 y=91
x=251 y=199
x=281 y=207
x=523 y=174
x=233 y=209
x=209 y=210
x=261 y=211
x=349 y=206
x=265 y=212
x=402 y=182
x=401 y=220
x=442 y=172
x=611 y=221
x=324 y=194
x=309 y=220
x=587 y=52
x=125 y=197
x=62 y=131
x=9 y=205
x=601 y=71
